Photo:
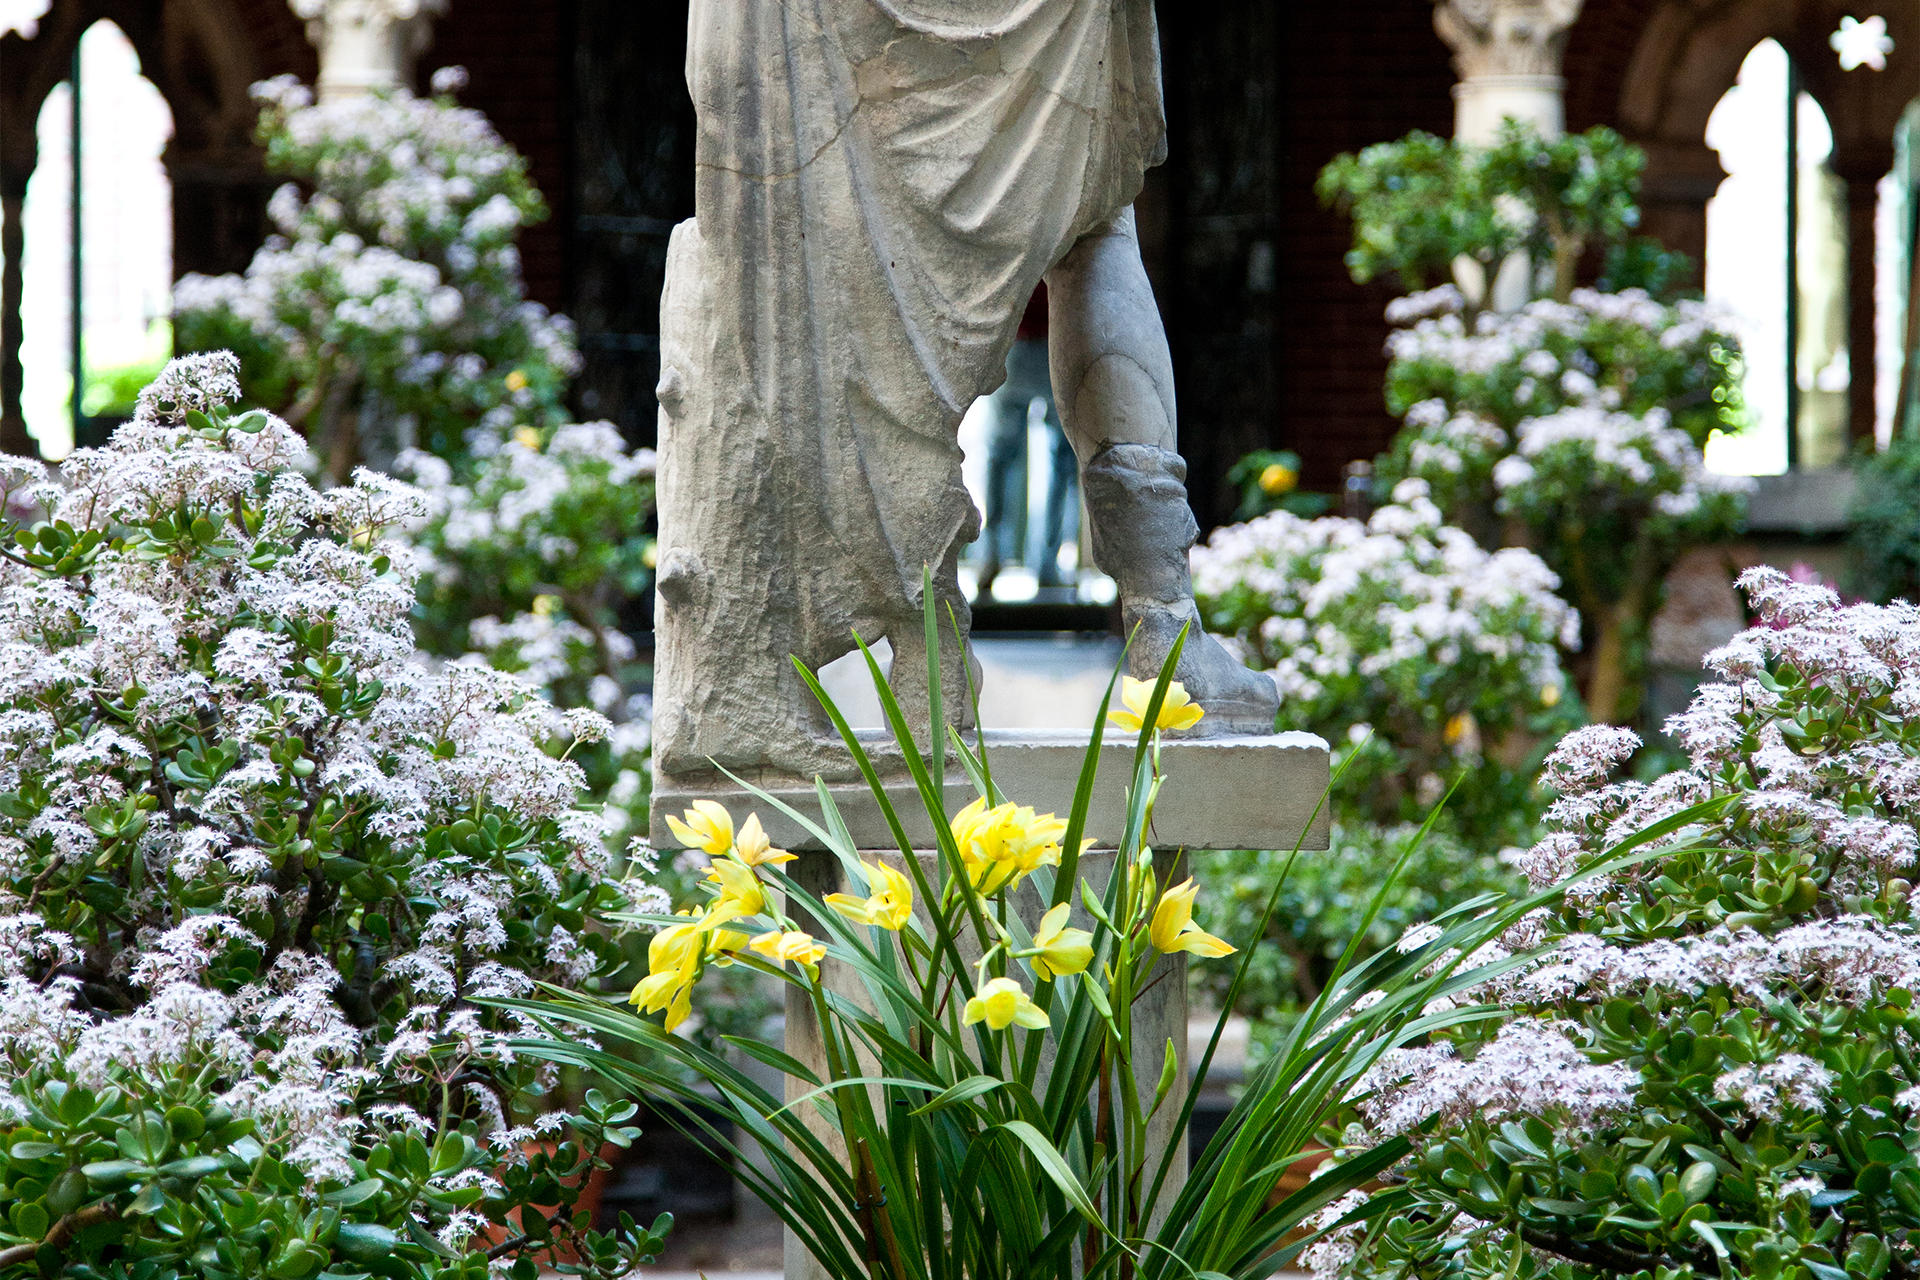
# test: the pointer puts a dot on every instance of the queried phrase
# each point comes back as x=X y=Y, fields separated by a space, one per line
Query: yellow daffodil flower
x=1174 y=929
x=1002 y=845
x=1000 y=1003
x=782 y=945
x=740 y=892
x=889 y=902
x=546 y=604
x=517 y=381
x=1062 y=950
x=724 y=944
x=1549 y=695
x=1459 y=728
x=1277 y=478
x=673 y=964
x=751 y=846
x=1177 y=710
x=707 y=826
x=527 y=438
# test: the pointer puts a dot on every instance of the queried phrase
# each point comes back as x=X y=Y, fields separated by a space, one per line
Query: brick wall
x=519 y=60
x=1349 y=76
x=1598 y=48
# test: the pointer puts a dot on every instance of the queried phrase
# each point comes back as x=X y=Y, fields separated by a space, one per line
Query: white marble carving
x=881 y=184
x=366 y=45
x=1507 y=54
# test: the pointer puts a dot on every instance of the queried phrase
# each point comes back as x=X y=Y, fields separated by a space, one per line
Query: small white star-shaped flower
x=1862 y=43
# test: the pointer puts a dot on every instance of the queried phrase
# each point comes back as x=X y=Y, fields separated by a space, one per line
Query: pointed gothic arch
x=1683 y=57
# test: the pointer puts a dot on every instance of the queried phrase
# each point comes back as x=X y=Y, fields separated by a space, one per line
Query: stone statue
x=881 y=184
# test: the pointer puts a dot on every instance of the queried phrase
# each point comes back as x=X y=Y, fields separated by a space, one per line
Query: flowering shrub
x=556 y=516
x=1582 y=424
x=390 y=300
x=1572 y=423
x=1711 y=1070
x=258 y=863
x=1405 y=627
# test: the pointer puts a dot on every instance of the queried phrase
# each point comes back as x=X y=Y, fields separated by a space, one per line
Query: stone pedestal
x=1220 y=793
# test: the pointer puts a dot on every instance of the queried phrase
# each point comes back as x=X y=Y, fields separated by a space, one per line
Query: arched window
x=123 y=273
x=1777 y=257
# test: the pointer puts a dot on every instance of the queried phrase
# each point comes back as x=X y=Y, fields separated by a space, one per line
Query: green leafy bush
x=1703 y=1062
x=1326 y=900
x=258 y=864
x=1422 y=203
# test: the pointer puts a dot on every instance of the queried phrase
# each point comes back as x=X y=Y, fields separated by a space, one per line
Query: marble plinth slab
x=1221 y=793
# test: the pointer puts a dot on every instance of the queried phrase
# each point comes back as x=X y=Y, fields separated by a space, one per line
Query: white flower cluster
x=512 y=502
x=322 y=848
x=1534 y=1067
x=542 y=537
x=398 y=277
x=1546 y=343
x=1328 y=1257
x=1335 y=607
x=1851 y=958
x=1640 y=458
x=1767 y=1090
x=1857 y=794
x=1563 y=405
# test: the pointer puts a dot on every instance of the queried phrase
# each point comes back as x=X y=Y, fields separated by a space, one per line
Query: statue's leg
x=1113 y=386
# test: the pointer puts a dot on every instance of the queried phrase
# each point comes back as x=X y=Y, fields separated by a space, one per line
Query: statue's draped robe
x=881 y=185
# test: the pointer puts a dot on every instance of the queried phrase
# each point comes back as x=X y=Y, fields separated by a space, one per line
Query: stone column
x=366 y=45
x=1507 y=54
x=13 y=424
x=1861 y=167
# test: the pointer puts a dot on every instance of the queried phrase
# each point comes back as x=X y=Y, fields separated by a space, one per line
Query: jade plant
x=260 y=866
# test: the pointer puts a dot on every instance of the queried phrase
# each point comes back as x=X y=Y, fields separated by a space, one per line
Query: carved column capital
x=366 y=45
x=1507 y=54
x=1505 y=37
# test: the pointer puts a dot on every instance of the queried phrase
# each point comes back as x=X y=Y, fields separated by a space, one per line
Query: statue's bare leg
x=1113 y=386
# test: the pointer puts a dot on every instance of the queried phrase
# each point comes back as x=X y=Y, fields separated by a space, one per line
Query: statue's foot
x=1236 y=699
